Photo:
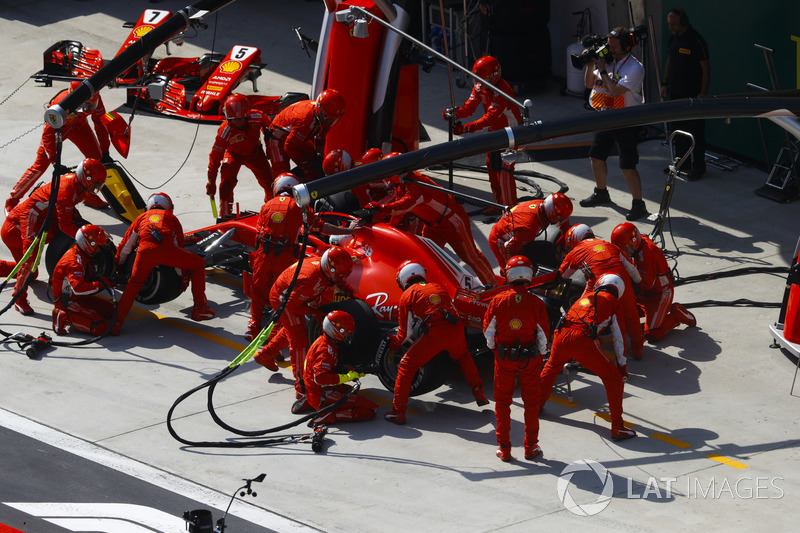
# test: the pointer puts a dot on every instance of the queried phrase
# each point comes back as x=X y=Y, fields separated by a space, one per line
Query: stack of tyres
x=520 y=40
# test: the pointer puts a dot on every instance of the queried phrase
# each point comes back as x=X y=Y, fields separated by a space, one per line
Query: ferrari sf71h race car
x=378 y=249
x=189 y=88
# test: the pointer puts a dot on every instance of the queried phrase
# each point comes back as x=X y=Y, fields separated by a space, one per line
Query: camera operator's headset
x=625 y=38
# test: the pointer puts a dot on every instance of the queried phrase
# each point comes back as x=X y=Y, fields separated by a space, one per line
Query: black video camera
x=596 y=46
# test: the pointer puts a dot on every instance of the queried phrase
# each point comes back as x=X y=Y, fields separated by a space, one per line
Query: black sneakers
x=601 y=196
x=638 y=210
x=598 y=197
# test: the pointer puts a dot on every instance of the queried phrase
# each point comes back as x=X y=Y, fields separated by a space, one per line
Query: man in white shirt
x=616 y=84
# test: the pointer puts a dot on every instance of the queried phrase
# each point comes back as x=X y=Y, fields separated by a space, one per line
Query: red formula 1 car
x=378 y=250
x=189 y=88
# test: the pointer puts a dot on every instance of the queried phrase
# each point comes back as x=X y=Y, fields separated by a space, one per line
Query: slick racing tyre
x=56 y=249
x=360 y=353
x=429 y=377
x=163 y=283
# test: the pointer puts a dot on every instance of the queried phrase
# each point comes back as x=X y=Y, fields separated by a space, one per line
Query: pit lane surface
x=718 y=426
x=106 y=491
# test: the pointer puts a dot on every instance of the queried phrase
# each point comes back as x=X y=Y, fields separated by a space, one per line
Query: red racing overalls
x=516 y=327
x=424 y=306
x=321 y=378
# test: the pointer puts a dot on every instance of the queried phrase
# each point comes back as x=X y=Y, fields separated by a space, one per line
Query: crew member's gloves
x=211 y=186
x=373 y=206
x=350 y=376
x=11 y=203
x=449 y=113
x=459 y=129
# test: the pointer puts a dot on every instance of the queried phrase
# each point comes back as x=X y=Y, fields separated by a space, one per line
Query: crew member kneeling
x=80 y=274
x=324 y=385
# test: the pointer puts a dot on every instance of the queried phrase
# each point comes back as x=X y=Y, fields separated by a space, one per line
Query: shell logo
x=230 y=66
x=154 y=218
x=584 y=302
x=515 y=324
x=598 y=247
x=435 y=299
x=141 y=31
x=277 y=217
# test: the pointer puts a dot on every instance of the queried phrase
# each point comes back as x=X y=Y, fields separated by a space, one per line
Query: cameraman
x=616 y=84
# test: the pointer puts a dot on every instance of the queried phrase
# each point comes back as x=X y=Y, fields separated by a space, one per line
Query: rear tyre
x=360 y=354
x=56 y=249
x=429 y=377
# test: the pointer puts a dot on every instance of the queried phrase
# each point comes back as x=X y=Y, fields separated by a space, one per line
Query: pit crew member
x=25 y=221
x=516 y=327
x=657 y=289
x=427 y=323
x=78 y=277
x=323 y=382
x=156 y=237
x=577 y=338
x=238 y=143
x=498 y=113
x=526 y=220
x=299 y=132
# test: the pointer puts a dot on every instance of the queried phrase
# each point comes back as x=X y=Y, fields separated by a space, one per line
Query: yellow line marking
x=727 y=461
x=201 y=333
x=607 y=418
x=561 y=401
x=670 y=440
x=659 y=436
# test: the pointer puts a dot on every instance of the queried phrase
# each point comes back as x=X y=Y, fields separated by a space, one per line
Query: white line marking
x=150 y=474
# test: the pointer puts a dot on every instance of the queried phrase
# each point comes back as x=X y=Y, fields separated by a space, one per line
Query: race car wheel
x=429 y=377
x=163 y=284
x=360 y=354
x=56 y=248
